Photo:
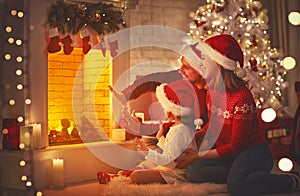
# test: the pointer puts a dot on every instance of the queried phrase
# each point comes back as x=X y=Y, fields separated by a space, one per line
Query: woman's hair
x=231 y=81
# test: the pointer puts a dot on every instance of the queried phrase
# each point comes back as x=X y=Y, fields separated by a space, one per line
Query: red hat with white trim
x=179 y=97
x=223 y=49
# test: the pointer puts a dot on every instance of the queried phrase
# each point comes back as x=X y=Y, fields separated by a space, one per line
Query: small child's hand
x=141 y=147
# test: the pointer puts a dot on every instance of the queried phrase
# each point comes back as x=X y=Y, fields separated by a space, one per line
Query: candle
x=118 y=134
x=36 y=133
x=26 y=138
x=58 y=173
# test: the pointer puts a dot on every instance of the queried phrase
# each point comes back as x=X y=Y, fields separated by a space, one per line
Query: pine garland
x=71 y=17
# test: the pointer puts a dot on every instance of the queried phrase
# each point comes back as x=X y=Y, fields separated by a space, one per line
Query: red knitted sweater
x=234 y=121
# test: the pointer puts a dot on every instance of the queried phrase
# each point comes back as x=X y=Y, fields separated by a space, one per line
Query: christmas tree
x=247 y=21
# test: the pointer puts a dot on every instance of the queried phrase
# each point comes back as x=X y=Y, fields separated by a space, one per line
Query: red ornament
x=199 y=23
x=253 y=63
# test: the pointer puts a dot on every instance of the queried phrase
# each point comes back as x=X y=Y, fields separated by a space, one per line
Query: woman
x=240 y=156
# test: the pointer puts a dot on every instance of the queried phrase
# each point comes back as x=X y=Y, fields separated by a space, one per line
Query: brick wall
x=171 y=13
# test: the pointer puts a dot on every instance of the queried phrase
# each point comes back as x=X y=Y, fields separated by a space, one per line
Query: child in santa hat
x=239 y=154
x=179 y=101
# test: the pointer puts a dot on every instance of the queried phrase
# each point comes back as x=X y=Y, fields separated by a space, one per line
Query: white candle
x=58 y=173
x=26 y=138
x=118 y=134
x=36 y=132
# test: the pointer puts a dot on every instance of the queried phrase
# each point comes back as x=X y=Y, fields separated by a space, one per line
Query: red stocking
x=54 y=41
x=113 y=45
x=103 y=47
x=67 y=44
x=85 y=34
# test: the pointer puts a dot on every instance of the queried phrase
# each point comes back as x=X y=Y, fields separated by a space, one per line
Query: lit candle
x=26 y=139
x=58 y=173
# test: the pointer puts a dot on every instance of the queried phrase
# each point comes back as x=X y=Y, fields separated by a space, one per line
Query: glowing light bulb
x=23 y=178
x=285 y=164
x=268 y=115
x=20 y=14
x=20 y=119
x=12 y=102
x=19 y=86
x=8 y=29
x=19 y=72
x=27 y=101
x=289 y=63
x=19 y=42
x=21 y=145
x=7 y=56
x=13 y=12
x=39 y=193
x=22 y=163
x=10 y=40
x=19 y=59
x=5 y=131
x=294 y=18
x=28 y=183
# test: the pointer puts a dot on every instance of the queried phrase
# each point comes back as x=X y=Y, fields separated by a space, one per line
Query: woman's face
x=210 y=68
x=189 y=72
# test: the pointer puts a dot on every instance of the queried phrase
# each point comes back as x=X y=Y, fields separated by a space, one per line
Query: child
x=179 y=101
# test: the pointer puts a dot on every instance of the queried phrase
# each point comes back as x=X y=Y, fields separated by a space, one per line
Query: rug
x=123 y=186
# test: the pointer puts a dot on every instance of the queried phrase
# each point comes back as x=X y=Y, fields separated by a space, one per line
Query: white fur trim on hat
x=168 y=105
x=194 y=60
x=224 y=61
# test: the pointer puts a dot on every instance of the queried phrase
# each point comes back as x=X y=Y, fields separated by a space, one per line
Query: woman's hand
x=188 y=156
x=119 y=96
x=141 y=147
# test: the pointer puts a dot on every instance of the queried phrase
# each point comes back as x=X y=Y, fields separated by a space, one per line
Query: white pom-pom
x=240 y=72
x=198 y=122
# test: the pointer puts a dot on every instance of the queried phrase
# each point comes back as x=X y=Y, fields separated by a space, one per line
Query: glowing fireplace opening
x=62 y=92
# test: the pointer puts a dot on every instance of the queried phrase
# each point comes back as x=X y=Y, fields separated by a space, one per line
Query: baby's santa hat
x=223 y=49
x=179 y=97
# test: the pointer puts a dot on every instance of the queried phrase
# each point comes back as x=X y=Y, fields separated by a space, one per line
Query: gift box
x=10 y=134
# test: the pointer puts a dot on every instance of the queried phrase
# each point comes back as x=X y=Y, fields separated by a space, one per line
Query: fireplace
x=71 y=79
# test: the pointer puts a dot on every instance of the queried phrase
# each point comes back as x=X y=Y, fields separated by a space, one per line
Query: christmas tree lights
x=247 y=21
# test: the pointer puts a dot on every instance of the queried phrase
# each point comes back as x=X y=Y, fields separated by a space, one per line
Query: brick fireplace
x=92 y=70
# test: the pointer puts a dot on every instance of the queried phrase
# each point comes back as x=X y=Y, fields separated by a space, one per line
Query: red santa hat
x=179 y=97
x=223 y=49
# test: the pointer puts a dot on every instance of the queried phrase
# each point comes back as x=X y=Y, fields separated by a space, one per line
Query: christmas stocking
x=54 y=41
x=67 y=44
x=86 y=46
x=103 y=47
x=113 y=46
